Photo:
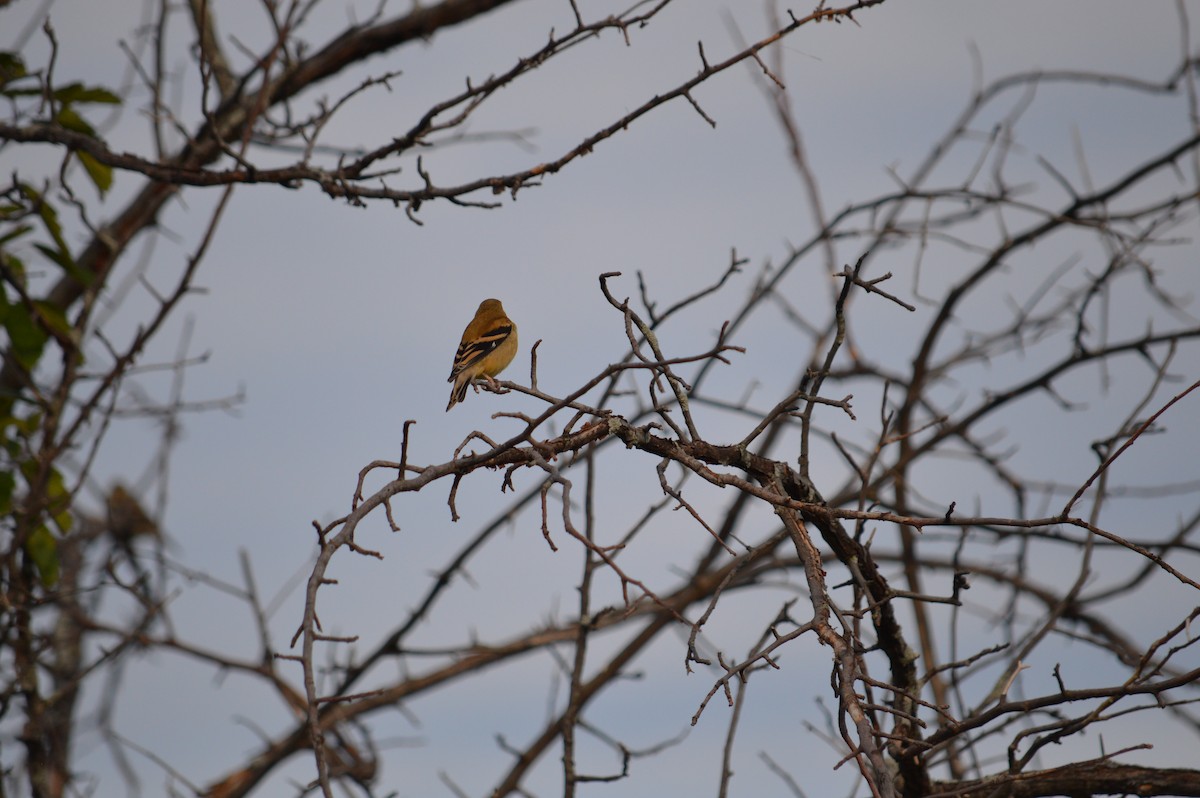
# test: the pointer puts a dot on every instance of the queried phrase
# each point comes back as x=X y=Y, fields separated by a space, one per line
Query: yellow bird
x=488 y=345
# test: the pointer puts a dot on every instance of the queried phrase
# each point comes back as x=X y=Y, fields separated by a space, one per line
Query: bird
x=488 y=345
x=126 y=518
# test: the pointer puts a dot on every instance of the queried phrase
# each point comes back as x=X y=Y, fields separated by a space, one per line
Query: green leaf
x=78 y=93
x=16 y=232
x=14 y=271
x=54 y=318
x=60 y=502
x=58 y=498
x=8 y=482
x=42 y=548
x=66 y=261
x=33 y=92
x=49 y=216
x=69 y=118
x=11 y=67
x=55 y=256
x=101 y=174
x=27 y=339
x=11 y=445
x=64 y=521
x=28 y=426
x=60 y=253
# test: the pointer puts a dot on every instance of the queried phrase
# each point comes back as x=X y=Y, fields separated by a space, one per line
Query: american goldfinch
x=126 y=518
x=488 y=345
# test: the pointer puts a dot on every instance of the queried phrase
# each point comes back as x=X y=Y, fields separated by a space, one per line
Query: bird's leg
x=484 y=379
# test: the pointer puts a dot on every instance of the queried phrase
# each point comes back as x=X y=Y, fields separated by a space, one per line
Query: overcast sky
x=339 y=323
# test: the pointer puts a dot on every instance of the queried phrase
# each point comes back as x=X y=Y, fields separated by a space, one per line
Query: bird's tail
x=459 y=391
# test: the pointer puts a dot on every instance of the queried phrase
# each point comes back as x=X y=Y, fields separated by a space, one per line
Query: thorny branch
x=956 y=689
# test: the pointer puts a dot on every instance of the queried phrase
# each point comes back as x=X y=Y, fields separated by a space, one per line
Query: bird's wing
x=472 y=350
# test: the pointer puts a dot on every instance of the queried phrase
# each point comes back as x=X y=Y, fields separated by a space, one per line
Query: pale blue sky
x=340 y=323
